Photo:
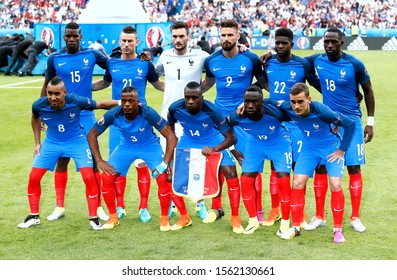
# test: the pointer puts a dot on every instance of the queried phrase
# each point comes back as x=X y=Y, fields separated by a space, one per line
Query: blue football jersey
x=340 y=81
x=268 y=128
x=136 y=73
x=206 y=126
x=136 y=133
x=75 y=69
x=233 y=76
x=64 y=124
x=283 y=75
x=317 y=126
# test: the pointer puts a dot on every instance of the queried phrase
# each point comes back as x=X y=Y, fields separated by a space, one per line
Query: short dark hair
x=179 y=25
x=130 y=30
x=285 y=32
x=72 y=25
x=129 y=89
x=335 y=30
x=99 y=41
x=193 y=86
x=56 y=81
x=232 y=23
x=255 y=89
x=298 y=88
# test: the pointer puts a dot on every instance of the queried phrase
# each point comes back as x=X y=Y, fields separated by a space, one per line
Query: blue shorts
x=279 y=151
x=227 y=158
x=123 y=156
x=355 y=154
x=87 y=120
x=114 y=138
x=296 y=138
x=51 y=151
x=310 y=157
x=242 y=138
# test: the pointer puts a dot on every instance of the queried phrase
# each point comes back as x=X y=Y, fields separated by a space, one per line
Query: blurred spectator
x=204 y=45
x=97 y=45
x=18 y=53
x=155 y=51
x=33 y=51
x=380 y=14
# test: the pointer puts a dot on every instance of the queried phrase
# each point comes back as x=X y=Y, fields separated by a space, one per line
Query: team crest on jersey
x=205 y=125
x=272 y=127
x=86 y=63
x=243 y=68
x=141 y=130
x=293 y=74
x=101 y=121
x=153 y=35
x=72 y=115
x=279 y=103
x=316 y=126
x=191 y=62
x=342 y=73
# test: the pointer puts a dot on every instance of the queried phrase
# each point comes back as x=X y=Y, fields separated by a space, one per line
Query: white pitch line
x=20 y=83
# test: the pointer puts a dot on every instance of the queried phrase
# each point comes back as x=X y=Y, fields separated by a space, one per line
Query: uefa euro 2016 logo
x=154 y=35
x=47 y=35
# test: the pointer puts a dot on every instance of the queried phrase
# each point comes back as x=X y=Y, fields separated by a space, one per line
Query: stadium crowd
x=254 y=14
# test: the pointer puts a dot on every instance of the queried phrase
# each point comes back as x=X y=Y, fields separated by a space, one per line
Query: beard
x=228 y=46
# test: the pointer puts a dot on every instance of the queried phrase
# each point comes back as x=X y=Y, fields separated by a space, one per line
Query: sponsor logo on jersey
x=47 y=35
x=153 y=35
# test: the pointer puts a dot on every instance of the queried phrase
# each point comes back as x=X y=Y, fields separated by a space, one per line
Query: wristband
x=231 y=148
x=370 y=120
x=119 y=102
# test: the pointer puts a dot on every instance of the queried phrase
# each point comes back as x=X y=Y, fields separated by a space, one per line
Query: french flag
x=196 y=176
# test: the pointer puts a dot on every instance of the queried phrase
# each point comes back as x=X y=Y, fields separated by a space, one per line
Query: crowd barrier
x=150 y=33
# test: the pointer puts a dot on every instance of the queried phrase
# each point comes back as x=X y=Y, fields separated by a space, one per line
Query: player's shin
x=120 y=185
x=91 y=190
x=285 y=190
x=320 y=186
x=258 y=190
x=274 y=190
x=143 y=179
x=234 y=192
x=338 y=207
x=297 y=206
x=34 y=189
x=249 y=195
x=164 y=189
x=60 y=181
x=109 y=191
x=356 y=189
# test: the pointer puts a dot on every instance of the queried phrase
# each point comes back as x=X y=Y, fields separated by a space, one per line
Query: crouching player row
x=322 y=145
